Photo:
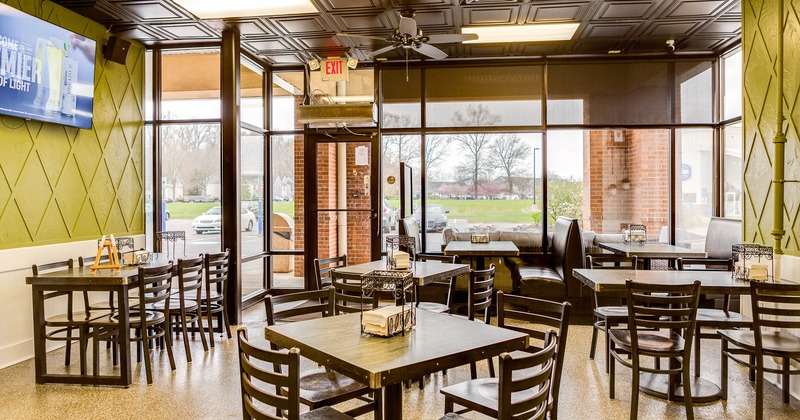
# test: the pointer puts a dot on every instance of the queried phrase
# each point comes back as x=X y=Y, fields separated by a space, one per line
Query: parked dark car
x=436 y=217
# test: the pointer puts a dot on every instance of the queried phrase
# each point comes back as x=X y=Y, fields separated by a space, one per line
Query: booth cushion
x=722 y=234
x=541 y=282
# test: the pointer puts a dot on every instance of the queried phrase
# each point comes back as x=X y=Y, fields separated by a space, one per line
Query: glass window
x=402 y=104
x=287 y=207
x=148 y=85
x=732 y=170
x=626 y=180
x=483 y=96
x=696 y=94
x=565 y=178
x=251 y=88
x=190 y=94
x=253 y=277
x=287 y=93
x=396 y=149
x=478 y=181
x=191 y=184
x=732 y=86
x=251 y=185
x=694 y=180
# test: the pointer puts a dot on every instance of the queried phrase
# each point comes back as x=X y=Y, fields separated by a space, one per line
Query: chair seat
x=193 y=295
x=76 y=318
x=773 y=342
x=711 y=317
x=612 y=312
x=482 y=392
x=151 y=317
x=175 y=305
x=325 y=387
x=433 y=307
x=649 y=341
x=325 y=413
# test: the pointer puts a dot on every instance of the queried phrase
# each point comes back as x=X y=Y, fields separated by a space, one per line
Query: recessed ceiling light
x=538 y=32
x=214 y=9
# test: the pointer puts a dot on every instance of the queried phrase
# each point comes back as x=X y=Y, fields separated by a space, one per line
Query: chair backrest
x=282 y=307
x=190 y=278
x=611 y=262
x=567 y=252
x=346 y=298
x=662 y=307
x=441 y=258
x=216 y=267
x=775 y=305
x=323 y=267
x=524 y=383
x=722 y=234
x=84 y=261
x=705 y=264
x=268 y=386
x=58 y=265
x=537 y=318
x=155 y=285
x=479 y=293
x=411 y=229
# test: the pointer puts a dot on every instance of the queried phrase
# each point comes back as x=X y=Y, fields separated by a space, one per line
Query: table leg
x=393 y=402
x=39 y=333
x=646 y=263
x=124 y=337
x=480 y=262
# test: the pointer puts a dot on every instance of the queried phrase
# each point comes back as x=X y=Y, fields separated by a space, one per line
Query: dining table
x=612 y=283
x=436 y=342
x=480 y=251
x=649 y=251
x=422 y=272
x=80 y=279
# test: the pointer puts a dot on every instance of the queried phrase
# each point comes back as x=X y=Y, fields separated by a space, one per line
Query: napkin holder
x=137 y=257
x=398 y=319
x=479 y=238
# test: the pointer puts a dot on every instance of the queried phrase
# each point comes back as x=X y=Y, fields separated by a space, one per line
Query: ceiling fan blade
x=408 y=27
x=448 y=38
x=430 y=51
x=381 y=51
x=363 y=37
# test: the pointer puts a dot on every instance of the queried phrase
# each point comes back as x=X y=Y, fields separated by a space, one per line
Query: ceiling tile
x=185 y=31
x=149 y=10
x=609 y=30
x=696 y=8
x=677 y=28
x=300 y=25
x=491 y=16
x=557 y=12
x=626 y=9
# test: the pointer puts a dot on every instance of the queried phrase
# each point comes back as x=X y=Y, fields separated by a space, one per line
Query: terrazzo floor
x=208 y=388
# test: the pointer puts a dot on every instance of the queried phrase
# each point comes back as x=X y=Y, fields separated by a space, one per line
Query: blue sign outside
x=686 y=171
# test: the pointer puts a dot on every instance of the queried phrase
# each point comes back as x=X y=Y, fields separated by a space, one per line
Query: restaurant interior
x=481 y=177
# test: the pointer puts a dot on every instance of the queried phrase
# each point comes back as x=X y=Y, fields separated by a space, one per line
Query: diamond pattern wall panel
x=61 y=184
x=759 y=43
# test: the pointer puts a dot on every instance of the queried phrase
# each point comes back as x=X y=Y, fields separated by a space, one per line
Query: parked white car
x=211 y=220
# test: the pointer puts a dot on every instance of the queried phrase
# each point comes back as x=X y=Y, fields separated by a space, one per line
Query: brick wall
x=358 y=223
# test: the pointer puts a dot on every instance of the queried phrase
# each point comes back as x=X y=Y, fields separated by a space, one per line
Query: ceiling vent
x=336 y=113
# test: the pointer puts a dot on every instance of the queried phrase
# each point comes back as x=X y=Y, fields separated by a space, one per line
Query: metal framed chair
x=320 y=387
x=607 y=316
x=438 y=290
x=346 y=298
x=479 y=300
x=775 y=314
x=521 y=392
x=661 y=324
x=214 y=297
x=262 y=387
x=184 y=307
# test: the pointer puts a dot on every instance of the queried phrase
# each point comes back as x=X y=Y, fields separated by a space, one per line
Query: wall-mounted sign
x=362 y=155
x=686 y=172
x=391 y=179
x=334 y=70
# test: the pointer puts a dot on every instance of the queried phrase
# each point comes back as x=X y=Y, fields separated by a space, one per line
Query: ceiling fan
x=409 y=37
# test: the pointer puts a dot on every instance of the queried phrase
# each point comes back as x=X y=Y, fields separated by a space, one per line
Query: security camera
x=670 y=46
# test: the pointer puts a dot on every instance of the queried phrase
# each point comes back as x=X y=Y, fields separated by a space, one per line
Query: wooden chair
x=154 y=288
x=522 y=390
x=607 y=316
x=537 y=317
x=319 y=387
x=259 y=385
x=775 y=314
x=430 y=297
x=184 y=307
x=479 y=300
x=346 y=298
x=214 y=299
x=323 y=267
x=661 y=324
x=62 y=326
x=710 y=317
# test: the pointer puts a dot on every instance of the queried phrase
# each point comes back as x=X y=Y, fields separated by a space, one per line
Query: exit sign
x=334 y=70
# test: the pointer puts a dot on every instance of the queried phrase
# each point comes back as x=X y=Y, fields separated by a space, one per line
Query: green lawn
x=188 y=210
x=484 y=211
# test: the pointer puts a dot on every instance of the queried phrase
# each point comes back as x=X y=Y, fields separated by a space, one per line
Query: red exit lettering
x=334 y=67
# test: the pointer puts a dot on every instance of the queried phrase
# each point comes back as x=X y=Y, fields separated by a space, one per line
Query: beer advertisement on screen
x=46 y=72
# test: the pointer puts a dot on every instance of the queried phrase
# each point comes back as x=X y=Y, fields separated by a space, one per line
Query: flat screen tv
x=46 y=72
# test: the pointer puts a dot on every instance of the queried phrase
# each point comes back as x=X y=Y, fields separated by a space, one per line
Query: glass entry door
x=343 y=201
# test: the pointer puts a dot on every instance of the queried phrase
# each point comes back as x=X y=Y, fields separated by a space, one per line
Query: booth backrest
x=411 y=228
x=527 y=242
x=721 y=236
x=567 y=252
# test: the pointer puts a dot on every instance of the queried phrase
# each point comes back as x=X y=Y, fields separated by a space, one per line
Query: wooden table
x=613 y=282
x=648 y=251
x=423 y=272
x=481 y=251
x=81 y=279
x=437 y=342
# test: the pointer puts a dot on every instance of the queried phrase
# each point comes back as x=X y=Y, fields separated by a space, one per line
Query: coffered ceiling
x=634 y=27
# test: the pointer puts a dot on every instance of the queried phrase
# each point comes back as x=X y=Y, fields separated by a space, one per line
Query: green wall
x=61 y=184
x=759 y=44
